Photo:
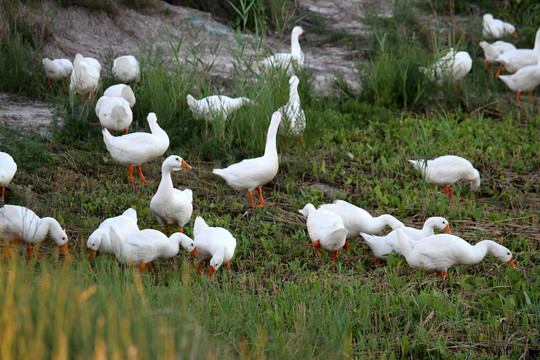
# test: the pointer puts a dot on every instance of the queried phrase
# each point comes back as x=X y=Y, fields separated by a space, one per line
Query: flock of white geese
x=330 y=226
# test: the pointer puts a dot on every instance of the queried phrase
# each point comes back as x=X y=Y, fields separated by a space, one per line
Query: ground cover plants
x=280 y=300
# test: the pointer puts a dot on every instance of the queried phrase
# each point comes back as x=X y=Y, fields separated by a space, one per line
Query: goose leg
x=261 y=203
x=530 y=96
x=487 y=66
x=301 y=141
x=142 y=176
x=448 y=191
x=346 y=246
x=6 y=248
x=228 y=266
x=168 y=231
x=316 y=245
x=149 y=267
x=3 y=191
x=200 y=269
x=376 y=261
x=443 y=274
x=125 y=132
x=517 y=98
x=181 y=229
x=250 y=194
x=499 y=71
x=50 y=83
x=29 y=249
x=142 y=266
x=131 y=173
x=335 y=256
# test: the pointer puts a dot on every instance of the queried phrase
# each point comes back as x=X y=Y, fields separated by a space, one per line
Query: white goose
x=358 y=220
x=126 y=68
x=453 y=65
x=137 y=148
x=8 y=168
x=514 y=60
x=326 y=230
x=215 y=245
x=250 y=174
x=172 y=207
x=492 y=51
x=288 y=61
x=125 y=224
x=525 y=79
x=57 y=69
x=142 y=247
x=447 y=170
x=114 y=113
x=215 y=107
x=121 y=90
x=85 y=75
x=383 y=245
x=20 y=223
x=440 y=252
x=496 y=28
x=292 y=110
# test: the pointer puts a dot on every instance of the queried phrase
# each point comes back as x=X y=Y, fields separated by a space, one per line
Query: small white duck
x=142 y=247
x=85 y=75
x=439 y=252
x=137 y=148
x=121 y=90
x=447 y=170
x=358 y=220
x=126 y=68
x=525 y=79
x=215 y=245
x=383 y=245
x=453 y=65
x=496 y=28
x=326 y=230
x=8 y=168
x=125 y=224
x=292 y=110
x=57 y=69
x=172 y=207
x=492 y=51
x=288 y=61
x=215 y=107
x=514 y=60
x=114 y=113
x=20 y=223
x=250 y=174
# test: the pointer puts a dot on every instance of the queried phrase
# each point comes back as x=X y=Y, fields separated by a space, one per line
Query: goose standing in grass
x=292 y=110
x=8 y=168
x=496 y=28
x=172 y=207
x=85 y=76
x=126 y=68
x=121 y=90
x=326 y=230
x=251 y=174
x=454 y=65
x=447 y=170
x=20 y=223
x=137 y=148
x=492 y=51
x=215 y=245
x=57 y=69
x=514 y=60
x=142 y=247
x=440 y=252
x=114 y=113
x=525 y=79
x=215 y=107
x=288 y=61
x=383 y=245
x=125 y=224
x=358 y=220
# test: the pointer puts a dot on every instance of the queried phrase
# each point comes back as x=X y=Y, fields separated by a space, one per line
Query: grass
x=280 y=300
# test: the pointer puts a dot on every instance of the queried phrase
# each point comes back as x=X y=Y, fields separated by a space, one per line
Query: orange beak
x=212 y=271
x=511 y=262
x=185 y=164
x=64 y=248
x=514 y=34
x=194 y=252
x=91 y=253
x=447 y=228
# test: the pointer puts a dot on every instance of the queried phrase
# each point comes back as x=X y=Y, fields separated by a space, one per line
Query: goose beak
x=514 y=34
x=212 y=271
x=303 y=31
x=91 y=253
x=447 y=228
x=64 y=248
x=185 y=164
x=511 y=262
x=194 y=252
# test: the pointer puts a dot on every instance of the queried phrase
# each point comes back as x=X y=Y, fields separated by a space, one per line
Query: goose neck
x=295 y=45
x=270 y=148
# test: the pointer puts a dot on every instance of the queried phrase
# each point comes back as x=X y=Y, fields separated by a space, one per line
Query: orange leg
x=300 y=138
x=316 y=245
x=530 y=96
x=149 y=267
x=376 y=261
x=487 y=66
x=517 y=98
x=125 y=132
x=250 y=194
x=6 y=248
x=80 y=97
x=443 y=274
x=181 y=229
x=448 y=191
x=261 y=203
x=168 y=231
x=200 y=269
x=229 y=266
x=29 y=249
x=335 y=256
x=50 y=83
x=142 y=176
x=90 y=96
x=3 y=191
x=142 y=266
x=501 y=68
x=346 y=246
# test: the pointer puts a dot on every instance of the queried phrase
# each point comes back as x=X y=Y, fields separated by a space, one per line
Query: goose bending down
x=137 y=148
x=492 y=51
x=453 y=65
x=358 y=220
x=121 y=90
x=525 y=79
x=326 y=230
x=440 y=252
x=447 y=170
x=214 y=245
x=250 y=174
x=292 y=110
x=215 y=107
x=114 y=113
x=20 y=223
x=126 y=68
x=496 y=28
x=383 y=245
x=142 y=247
x=514 y=60
x=85 y=75
x=288 y=61
x=124 y=224
x=172 y=207
x=57 y=69
x=8 y=168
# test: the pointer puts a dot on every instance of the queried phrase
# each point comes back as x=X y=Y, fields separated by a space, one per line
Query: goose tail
x=199 y=225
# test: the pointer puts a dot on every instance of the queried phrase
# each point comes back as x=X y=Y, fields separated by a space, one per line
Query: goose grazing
x=8 y=168
x=57 y=69
x=496 y=28
x=447 y=170
x=85 y=75
x=142 y=247
x=453 y=65
x=137 y=148
x=215 y=107
x=20 y=223
x=514 y=60
x=326 y=230
x=383 y=245
x=114 y=113
x=439 y=252
x=492 y=51
x=287 y=61
x=250 y=174
x=525 y=79
x=121 y=90
x=358 y=220
x=172 y=207
x=126 y=68
x=292 y=110
x=124 y=224
x=215 y=245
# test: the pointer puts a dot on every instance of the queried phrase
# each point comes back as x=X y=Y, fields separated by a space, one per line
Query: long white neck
x=479 y=251
x=295 y=45
x=270 y=148
x=166 y=180
x=427 y=229
x=172 y=248
x=293 y=94
x=43 y=228
x=383 y=220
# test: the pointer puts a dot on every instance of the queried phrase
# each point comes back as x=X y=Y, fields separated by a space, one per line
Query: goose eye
x=177 y=159
x=508 y=253
x=63 y=238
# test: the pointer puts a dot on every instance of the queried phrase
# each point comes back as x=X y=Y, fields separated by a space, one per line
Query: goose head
x=94 y=241
x=503 y=254
x=307 y=210
x=294 y=81
x=215 y=262
x=174 y=163
x=439 y=223
x=186 y=242
x=297 y=31
x=60 y=238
